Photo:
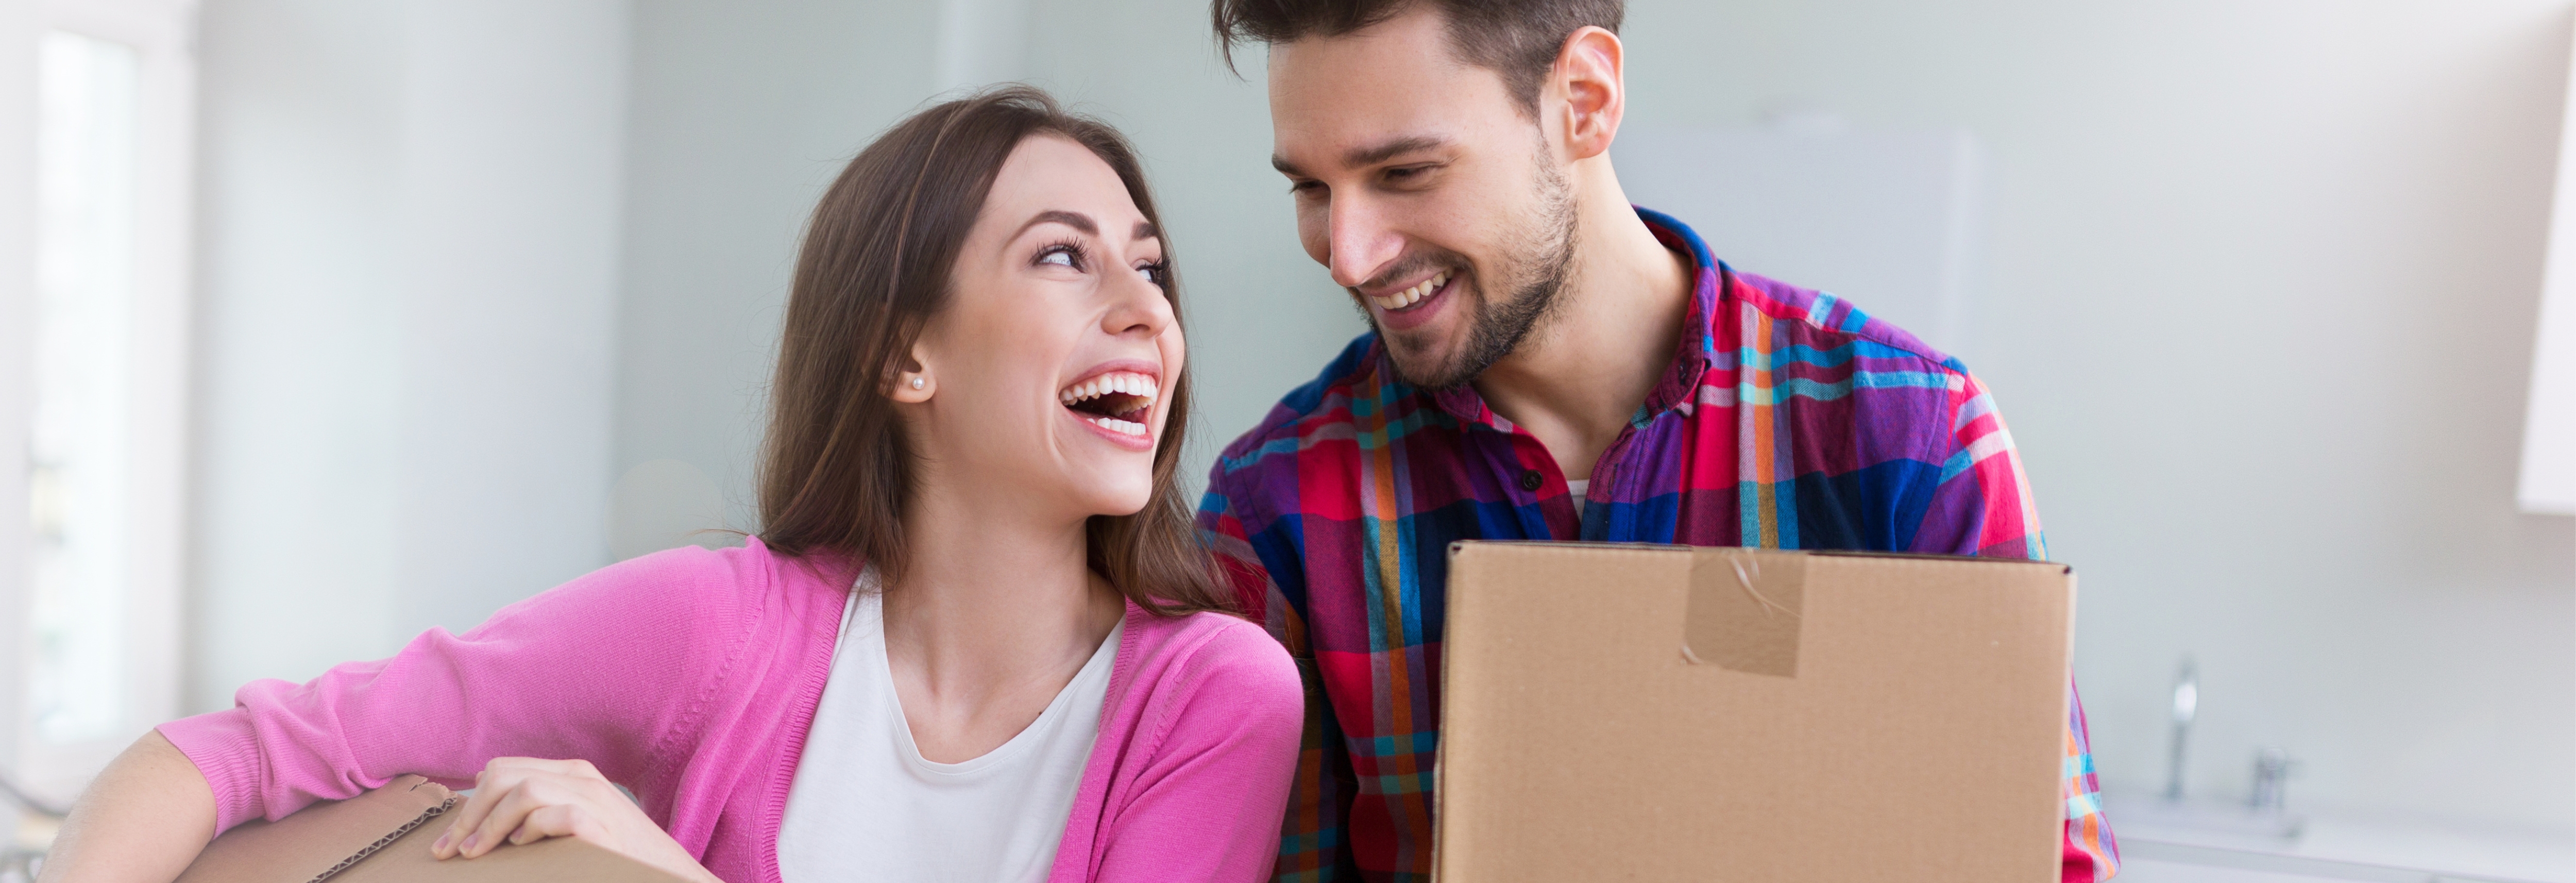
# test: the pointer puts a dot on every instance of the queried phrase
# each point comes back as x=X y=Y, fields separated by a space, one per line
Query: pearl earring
x=917 y=382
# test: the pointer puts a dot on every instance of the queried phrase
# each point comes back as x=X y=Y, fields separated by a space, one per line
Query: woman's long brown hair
x=837 y=468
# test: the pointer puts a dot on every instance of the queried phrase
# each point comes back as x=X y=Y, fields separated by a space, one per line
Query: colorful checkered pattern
x=1789 y=419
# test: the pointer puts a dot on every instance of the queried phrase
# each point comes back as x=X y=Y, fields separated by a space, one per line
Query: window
x=98 y=558
x=80 y=448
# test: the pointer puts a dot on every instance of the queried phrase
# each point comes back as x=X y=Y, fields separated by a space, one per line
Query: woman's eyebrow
x=1075 y=220
x=1145 y=230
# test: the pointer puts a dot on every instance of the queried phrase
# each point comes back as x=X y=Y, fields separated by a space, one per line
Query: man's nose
x=1362 y=242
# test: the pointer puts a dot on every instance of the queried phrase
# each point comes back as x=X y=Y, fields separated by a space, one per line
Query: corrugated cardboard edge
x=387 y=840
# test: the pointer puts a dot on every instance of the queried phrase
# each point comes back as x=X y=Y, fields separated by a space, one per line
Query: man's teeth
x=1411 y=296
x=1125 y=383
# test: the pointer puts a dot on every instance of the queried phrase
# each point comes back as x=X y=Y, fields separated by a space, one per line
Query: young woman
x=973 y=640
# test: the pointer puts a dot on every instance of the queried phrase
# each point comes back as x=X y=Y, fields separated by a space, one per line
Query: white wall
x=408 y=279
x=2258 y=305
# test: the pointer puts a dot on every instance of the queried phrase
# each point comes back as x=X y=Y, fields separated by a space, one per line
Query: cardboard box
x=1635 y=712
x=383 y=836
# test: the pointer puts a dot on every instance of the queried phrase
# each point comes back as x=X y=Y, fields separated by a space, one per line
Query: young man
x=1548 y=362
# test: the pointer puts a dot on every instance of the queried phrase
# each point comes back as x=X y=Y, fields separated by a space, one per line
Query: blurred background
x=327 y=322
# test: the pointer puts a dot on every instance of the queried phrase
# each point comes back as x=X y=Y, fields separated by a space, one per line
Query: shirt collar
x=1690 y=359
x=1698 y=347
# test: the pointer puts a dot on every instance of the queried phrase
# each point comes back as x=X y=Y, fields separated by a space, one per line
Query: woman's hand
x=526 y=799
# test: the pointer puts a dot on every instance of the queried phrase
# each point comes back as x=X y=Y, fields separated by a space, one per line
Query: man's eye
x=1305 y=186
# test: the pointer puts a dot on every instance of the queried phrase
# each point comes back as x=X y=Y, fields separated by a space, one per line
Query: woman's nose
x=1142 y=308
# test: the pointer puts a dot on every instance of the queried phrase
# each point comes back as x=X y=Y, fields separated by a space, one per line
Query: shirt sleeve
x=1207 y=805
x=1313 y=843
x=1983 y=506
x=587 y=670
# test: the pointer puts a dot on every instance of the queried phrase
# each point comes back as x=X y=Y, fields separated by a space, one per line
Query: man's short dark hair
x=1518 y=39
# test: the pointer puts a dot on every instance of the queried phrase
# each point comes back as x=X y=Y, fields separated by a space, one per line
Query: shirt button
x=1530 y=480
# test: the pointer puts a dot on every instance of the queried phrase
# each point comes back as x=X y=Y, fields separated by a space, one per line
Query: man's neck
x=1579 y=376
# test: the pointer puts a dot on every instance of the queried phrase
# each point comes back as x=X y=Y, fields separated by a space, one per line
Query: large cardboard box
x=383 y=836
x=1636 y=712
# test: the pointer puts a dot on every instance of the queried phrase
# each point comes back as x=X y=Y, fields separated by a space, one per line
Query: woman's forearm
x=144 y=819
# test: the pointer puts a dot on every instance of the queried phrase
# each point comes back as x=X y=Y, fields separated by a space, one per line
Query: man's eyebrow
x=1075 y=220
x=1378 y=153
x=1370 y=155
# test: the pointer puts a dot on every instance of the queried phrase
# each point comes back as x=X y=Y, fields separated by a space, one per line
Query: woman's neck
x=994 y=613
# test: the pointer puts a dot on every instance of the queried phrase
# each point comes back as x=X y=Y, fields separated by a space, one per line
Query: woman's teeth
x=1115 y=424
x=1125 y=383
x=1133 y=397
x=1411 y=296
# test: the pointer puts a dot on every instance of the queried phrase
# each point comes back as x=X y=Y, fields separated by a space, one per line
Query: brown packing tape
x=1745 y=611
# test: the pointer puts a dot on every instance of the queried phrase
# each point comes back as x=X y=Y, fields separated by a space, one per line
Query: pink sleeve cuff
x=226 y=751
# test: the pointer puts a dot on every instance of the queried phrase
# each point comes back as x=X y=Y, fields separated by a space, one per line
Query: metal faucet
x=2271 y=771
x=2186 y=707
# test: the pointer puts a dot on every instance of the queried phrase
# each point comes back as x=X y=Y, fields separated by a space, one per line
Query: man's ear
x=1589 y=73
x=914 y=384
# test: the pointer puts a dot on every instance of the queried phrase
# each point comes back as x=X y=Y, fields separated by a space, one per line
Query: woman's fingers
x=512 y=810
x=559 y=820
x=463 y=819
x=505 y=793
x=525 y=799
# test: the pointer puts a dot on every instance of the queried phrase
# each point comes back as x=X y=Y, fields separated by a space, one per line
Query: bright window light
x=82 y=445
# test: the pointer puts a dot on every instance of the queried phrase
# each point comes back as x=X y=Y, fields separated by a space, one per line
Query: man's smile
x=1405 y=299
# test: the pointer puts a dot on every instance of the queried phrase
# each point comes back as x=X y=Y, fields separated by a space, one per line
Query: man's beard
x=1495 y=328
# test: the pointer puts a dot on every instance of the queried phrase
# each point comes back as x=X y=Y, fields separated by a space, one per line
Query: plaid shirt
x=1789 y=419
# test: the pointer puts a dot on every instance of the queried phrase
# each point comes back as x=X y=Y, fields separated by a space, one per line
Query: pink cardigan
x=690 y=676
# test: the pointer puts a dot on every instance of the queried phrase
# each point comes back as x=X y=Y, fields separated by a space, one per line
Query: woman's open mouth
x=1119 y=401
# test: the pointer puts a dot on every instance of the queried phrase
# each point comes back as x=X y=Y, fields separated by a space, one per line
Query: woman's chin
x=1120 y=501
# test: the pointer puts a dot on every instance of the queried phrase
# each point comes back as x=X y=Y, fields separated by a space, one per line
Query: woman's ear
x=913 y=385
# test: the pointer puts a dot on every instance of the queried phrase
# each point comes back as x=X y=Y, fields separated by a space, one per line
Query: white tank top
x=866 y=806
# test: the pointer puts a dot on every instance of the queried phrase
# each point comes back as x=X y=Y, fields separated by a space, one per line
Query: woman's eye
x=1060 y=257
x=1152 y=272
